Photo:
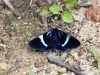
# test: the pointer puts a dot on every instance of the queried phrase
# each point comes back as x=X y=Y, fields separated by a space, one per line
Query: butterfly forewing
x=48 y=40
x=37 y=44
x=42 y=42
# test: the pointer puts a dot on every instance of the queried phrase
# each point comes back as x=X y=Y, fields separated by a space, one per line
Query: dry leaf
x=93 y=13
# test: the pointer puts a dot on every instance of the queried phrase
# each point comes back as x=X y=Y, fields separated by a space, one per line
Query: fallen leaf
x=39 y=63
x=93 y=13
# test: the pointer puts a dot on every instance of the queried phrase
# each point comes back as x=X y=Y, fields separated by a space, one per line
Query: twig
x=44 y=20
x=40 y=24
x=7 y=2
x=54 y=60
x=84 y=5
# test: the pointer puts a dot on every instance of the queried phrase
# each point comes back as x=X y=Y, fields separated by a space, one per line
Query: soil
x=15 y=32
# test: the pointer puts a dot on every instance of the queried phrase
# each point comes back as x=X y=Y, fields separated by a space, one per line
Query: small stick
x=40 y=24
x=7 y=2
x=44 y=19
x=54 y=60
x=84 y=5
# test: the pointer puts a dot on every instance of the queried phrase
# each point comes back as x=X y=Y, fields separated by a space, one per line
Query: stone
x=3 y=66
x=62 y=70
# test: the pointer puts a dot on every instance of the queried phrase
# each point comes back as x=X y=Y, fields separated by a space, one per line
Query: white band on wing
x=43 y=42
x=67 y=39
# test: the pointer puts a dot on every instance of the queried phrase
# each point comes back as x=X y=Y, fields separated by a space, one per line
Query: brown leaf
x=93 y=13
x=39 y=63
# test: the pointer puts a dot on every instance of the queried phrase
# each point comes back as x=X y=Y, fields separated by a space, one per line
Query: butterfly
x=54 y=39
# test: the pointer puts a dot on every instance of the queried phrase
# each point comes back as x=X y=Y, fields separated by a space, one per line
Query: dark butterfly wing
x=42 y=42
x=66 y=41
x=54 y=39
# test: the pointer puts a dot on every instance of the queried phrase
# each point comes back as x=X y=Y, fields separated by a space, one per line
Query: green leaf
x=70 y=3
x=67 y=17
x=99 y=65
x=55 y=9
x=96 y=55
x=31 y=72
x=45 y=9
x=95 y=52
x=42 y=74
x=67 y=1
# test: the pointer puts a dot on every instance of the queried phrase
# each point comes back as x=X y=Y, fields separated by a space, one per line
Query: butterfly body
x=54 y=39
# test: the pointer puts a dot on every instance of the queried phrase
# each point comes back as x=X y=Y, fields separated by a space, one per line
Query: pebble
x=72 y=52
x=3 y=66
x=62 y=70
x=2 y=46
x=84 y=67
x=70 y=73
x=76 y=57
x=81 y=53
x=48 y=70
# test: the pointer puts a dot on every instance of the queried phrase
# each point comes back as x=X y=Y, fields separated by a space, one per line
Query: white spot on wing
x=42 y=41
x=48 y=33
x=67 y=39
x=60 y=33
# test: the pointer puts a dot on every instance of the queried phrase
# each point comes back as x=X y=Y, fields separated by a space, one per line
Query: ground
x=16 y=58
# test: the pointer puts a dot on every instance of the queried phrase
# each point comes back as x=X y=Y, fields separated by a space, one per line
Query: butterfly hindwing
x=67 y=41
x=54 y=39
x=72 y=43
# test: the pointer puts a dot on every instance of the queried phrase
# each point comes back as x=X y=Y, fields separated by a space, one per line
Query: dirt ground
x=16 y=58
